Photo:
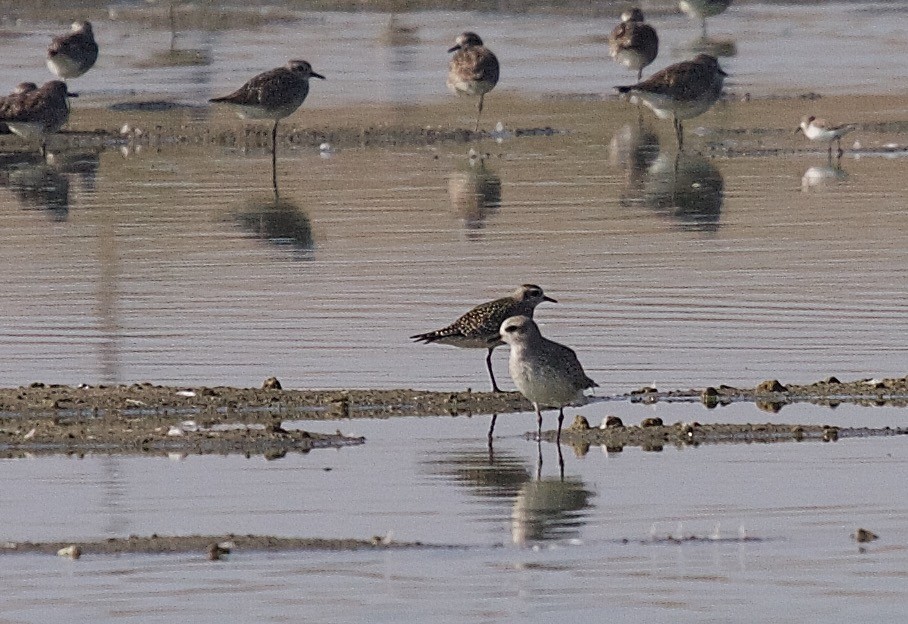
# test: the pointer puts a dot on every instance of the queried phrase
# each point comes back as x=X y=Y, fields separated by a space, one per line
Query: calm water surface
x=178 y=266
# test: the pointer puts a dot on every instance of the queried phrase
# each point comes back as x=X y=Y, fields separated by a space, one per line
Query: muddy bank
x=652 y=434
x=205 y=546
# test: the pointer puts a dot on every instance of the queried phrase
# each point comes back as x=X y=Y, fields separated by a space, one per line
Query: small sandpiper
x=681 y=91
x=479 y=328
x=37 y=113
x=634 y=43
x=473 y=69
x=273 y=94
x=820 y=130
x=547 y=373
x=73 y=54
x=701 y=9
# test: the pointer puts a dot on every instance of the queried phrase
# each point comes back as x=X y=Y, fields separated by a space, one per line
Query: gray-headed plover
x=473 y=69
x=701 y=9
x=681 y=91
x=73 y=54
x=633 y=42
x=547 y=373
x=273 y=94
x=479 y=328
x=34 y=114
x=820 y=130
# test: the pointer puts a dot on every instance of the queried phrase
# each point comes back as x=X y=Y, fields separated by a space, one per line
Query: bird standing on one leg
x=634 y=43
x=73 y=54
x=36 y=113
x=479 y=328
x=274 y=94
x=547 y=373
x=473 y=69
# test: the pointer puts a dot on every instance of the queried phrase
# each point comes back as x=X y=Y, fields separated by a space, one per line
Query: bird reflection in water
x=686 y=188
x=633 y=149
x=279 y=222
x=44 y=183
x=825 y=176
x=541 y=509
x=475 y=195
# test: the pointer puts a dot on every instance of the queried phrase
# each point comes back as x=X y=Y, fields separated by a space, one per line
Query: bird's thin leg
x=538 y=422
x=479 y=112
x=492 y=430
x=560 y=463
x=639 y=74
x=560 y=420
x=839 y=146
x=679 y=133
x=538 y=459
x=274 y=158
x=495 y=387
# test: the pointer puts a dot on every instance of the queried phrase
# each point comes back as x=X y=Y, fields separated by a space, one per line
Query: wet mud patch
x=205 y=546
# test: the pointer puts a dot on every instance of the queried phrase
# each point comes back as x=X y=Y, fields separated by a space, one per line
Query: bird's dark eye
x=535 y=293
x=511 y=329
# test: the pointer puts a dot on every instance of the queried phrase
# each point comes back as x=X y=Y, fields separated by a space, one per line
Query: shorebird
x=634 y=43
x=479 y=328
x=36 y=113
x=547 y=373
x=273 y=94
x=73 y=54
x=701 y=9
x=681 y=91
x=473 y=69
x=820 y=130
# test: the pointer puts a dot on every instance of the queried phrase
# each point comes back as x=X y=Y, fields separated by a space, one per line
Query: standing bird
x=681 y=91
x=479 y=328
x=547 y=373
x=820 y=130
x=273 y=95
x=36 y=113
x=473 y=69
x=634 y=43
x=73 y=54
x=701 y=9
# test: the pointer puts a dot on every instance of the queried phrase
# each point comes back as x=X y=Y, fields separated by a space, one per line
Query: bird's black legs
x=495 y=387
x=479 y=112
x=274 y=158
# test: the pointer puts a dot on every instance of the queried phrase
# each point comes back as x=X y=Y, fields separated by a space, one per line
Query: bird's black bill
x=550 y=300
x=314 y=75
x=70 y=94
x=454 y=49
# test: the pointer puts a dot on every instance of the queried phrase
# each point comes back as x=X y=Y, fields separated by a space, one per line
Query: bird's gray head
x=303 y=68
x=531 y=294
x=466 y=40
x=711 y=62
x=82 y=26
x=57 y=88
x=633 y=14
x=518 y=329
x=25 y=87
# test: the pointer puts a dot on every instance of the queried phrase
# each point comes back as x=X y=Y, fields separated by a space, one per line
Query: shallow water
x=176 y=265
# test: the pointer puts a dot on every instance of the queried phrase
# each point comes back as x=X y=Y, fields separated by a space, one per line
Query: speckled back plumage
x=479 y=328
x=73 y=54
x=684 y=81
x=473 y=69
x=633 y=42
x=46 y=106
x=277 y=92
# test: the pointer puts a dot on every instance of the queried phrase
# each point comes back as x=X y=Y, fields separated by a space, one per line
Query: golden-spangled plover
x=681 y=91
x=473 y=69
x=479 y=328
x=34 y=114
x=820 y=130
x=547 y=373
x=73 y=54
x=273 y=94
x=633 y=42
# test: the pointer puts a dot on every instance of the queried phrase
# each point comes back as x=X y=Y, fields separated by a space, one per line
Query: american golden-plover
x=701 y=9
x=547 y=373
x=820 y=130
x=73 y=54
x=633 y=42
x=473 y=69
x=34 y=114
x=273 y=94
x=681 y=91
x=479 y=328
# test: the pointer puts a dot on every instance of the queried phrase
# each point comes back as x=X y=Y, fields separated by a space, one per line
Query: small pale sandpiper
x=547 y=373
x=479 y=328
x=34 y=114
x=820 y=130
x=633 y=42
x=73 y=54
x=473 y=69
x=681 y=91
